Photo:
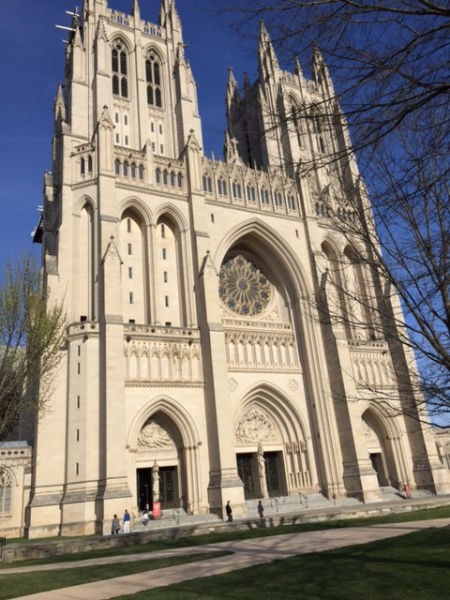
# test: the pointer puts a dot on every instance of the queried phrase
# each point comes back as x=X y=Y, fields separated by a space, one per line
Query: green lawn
x=411 y=567
x=13 y=586
x=227 y=535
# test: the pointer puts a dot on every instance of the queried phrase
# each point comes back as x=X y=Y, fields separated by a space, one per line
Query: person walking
x=115 y=526
x=260 y=510
x=229 y=511
x=126 y=522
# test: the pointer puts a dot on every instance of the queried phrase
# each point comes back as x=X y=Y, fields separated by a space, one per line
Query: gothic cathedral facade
x=196 y=356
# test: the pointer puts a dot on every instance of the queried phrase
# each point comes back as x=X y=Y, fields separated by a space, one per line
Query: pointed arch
x=277 y=252
x=136 y=204
x=174 y=411
x=84 y=268
x=277 y=405
x=134 y=249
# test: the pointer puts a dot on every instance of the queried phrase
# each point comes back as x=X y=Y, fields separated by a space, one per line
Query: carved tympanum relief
x=153 y=435
x=255 y=426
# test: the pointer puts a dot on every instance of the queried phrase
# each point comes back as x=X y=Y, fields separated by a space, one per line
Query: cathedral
x=198 y=368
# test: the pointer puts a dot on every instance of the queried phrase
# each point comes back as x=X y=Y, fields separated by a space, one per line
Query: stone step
x=175 y=518
x=296 y=503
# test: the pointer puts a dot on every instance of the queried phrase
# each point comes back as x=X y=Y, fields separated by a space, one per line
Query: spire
x=233 y=94
x=230 y=151
x=298 y=67
x=168 y=17
x=135 y=10
x=267 y=59
x=320 y=72
x=59 y=105
x=247 y=84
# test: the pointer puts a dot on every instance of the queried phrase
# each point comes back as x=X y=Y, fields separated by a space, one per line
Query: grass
x=227 y=535
x=14 y=586
x=410 y=567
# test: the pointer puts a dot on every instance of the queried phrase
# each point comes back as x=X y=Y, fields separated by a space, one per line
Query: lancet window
x=153 y=78
x=120 y=70
x=207 y=183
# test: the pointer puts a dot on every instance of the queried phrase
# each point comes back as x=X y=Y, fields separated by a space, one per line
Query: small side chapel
x=197 y=369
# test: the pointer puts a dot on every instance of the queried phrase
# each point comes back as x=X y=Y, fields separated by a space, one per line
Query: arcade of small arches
x=236 y=189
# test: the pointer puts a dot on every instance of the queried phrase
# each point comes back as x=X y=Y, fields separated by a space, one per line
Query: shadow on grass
x=22 y=584
x=411 y=567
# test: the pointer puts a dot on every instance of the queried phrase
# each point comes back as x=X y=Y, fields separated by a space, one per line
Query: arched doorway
x=272 y=453
x=164 y=450
x=379 y=449
x=159 y=463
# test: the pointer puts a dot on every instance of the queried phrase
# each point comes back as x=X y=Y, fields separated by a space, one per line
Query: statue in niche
x=153 y=435
x=262 y=471
x=155 y=482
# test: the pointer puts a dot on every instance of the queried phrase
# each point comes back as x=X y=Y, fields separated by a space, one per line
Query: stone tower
x=196 y=368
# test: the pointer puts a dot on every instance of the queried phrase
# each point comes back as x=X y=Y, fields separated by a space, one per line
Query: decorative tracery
x=243 y=287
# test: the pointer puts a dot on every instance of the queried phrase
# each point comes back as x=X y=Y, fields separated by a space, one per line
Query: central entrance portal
x=249 y=473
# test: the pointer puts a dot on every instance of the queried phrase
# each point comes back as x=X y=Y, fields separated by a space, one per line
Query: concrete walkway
x=246 y=554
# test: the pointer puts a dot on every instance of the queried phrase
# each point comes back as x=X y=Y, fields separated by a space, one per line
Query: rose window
x=243 y=288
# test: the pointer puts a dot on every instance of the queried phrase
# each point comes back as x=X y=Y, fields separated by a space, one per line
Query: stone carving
x=243 y=288
x=155 y=481
x=262 y=471
x=293 y=385
x=5 y=478
x=233 y=384
x=255 y=426
x=153 y=435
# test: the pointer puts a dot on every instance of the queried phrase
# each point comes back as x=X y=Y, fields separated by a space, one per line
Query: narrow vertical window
x=153 y=77
x=77 y=468
x=82 y=167
x=163 y=230
x=119 y=64
x=128 y=225
x=117 y=167
x=130 y=272
x=165 y=277
x=78 y=402
x=130 y=249
x=164 y=254
x=166 y=299
x=78 y=435
x=89 y=164
x=131 y=297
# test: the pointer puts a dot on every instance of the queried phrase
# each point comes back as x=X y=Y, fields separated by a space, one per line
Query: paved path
x=246 y=554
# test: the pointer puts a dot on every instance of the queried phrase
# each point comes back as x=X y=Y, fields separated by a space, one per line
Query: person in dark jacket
x=229 y=511
x=115 y=526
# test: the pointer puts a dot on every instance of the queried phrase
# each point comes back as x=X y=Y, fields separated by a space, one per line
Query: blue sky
x=32 y=65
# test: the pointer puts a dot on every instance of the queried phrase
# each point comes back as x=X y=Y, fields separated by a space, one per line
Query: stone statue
x=262 y=472
x=155 y=482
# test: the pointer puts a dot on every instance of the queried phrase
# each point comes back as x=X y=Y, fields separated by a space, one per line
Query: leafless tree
x=390 y=65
